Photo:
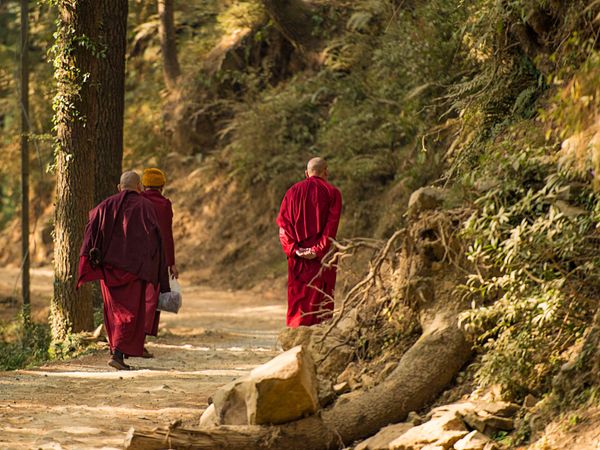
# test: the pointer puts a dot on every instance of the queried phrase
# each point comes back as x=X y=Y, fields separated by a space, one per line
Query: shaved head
x=130 y=180
x=316 y=167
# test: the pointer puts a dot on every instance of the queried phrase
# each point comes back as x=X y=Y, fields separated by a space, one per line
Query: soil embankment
x=83 y=403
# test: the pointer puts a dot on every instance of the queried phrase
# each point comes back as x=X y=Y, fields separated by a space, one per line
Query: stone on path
x=230 y=402
x=279 y=391
x=285 y=389
x=209 y=417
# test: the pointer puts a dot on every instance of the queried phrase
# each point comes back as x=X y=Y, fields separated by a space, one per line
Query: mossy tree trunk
x=168 y=43
x=24 y=94
x=76 y=114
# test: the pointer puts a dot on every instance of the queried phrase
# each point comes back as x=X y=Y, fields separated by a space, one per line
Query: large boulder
x=284 y=389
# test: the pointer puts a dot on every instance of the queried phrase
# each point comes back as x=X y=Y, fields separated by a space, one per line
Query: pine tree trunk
x=24 y=83
x=76 y=114
x=111 y=98
x=168 y=43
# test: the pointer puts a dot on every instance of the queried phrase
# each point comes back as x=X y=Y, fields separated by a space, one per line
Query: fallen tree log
x=422 y=373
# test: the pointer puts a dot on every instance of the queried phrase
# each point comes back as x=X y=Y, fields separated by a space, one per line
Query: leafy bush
x=21 y=347
x=531 y=240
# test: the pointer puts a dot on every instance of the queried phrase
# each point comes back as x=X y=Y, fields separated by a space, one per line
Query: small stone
x=443 y=430
x=474 y=441
x=414 y=418
x=341 y=388
x=230 y=402
x=475 y=422
x=530 y=401
x=381 y=441
x=502 y=409
x=498 y=423
x=209 y=417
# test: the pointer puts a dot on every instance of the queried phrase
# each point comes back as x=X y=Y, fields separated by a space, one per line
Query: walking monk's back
x=308 y=219
x=122 y=248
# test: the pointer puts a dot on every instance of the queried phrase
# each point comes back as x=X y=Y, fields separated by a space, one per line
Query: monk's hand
x=173 y=271
x=306 y=253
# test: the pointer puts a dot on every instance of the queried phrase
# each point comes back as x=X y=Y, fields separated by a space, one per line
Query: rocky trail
x=83 y=403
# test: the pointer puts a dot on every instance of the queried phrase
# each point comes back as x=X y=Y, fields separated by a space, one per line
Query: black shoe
x=118 y=364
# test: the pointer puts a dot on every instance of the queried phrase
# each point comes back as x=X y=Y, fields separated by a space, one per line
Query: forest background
x=495 y=101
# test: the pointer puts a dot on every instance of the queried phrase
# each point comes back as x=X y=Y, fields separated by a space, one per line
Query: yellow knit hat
x=153 y=178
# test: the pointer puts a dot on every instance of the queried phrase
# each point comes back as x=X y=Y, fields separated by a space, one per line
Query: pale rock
x=486 y=423
x=502 y=409
x=341 y=388
x=443 y=430
x=461 y=408
x=475 y=441
x=496 y=422
x=284 y=389
x=424 y=199
x=230 y=402
x=381 y=441
x=434 y=447
x=209 y=417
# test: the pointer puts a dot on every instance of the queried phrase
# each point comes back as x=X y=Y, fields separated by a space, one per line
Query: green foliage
x=23 y=346
x=531 y=237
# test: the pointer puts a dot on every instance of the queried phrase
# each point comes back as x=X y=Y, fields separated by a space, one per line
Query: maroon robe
x=122 y=248
x=309 y=218
x=164 y=214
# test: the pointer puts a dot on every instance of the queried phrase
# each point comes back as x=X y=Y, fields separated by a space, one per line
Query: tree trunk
x=111 y=98
x=111 y=106
x=168 y=43
x=76 y=115
x=422 y=373
x=24 y=82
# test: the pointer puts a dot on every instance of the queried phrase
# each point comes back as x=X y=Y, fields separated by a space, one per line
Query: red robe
x=308 y=218
x=123 y=230
x=164 y=214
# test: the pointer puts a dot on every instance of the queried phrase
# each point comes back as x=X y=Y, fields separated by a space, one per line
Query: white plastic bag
x=170 y=301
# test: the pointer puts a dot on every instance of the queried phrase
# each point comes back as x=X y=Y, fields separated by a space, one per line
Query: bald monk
x=308 y=220
x=122 y=248
x=154 y=181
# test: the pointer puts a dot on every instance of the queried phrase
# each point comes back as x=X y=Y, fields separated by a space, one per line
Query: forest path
x=83 y=403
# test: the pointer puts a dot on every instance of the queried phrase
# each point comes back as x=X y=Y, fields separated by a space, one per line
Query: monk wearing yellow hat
x=154 y=181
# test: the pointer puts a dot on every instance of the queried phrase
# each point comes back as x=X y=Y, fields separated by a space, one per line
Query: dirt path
x=83 y=403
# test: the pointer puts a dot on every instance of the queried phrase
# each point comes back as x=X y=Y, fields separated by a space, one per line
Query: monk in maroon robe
x=122 y=248
x=308 y=220
x=154 y=181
